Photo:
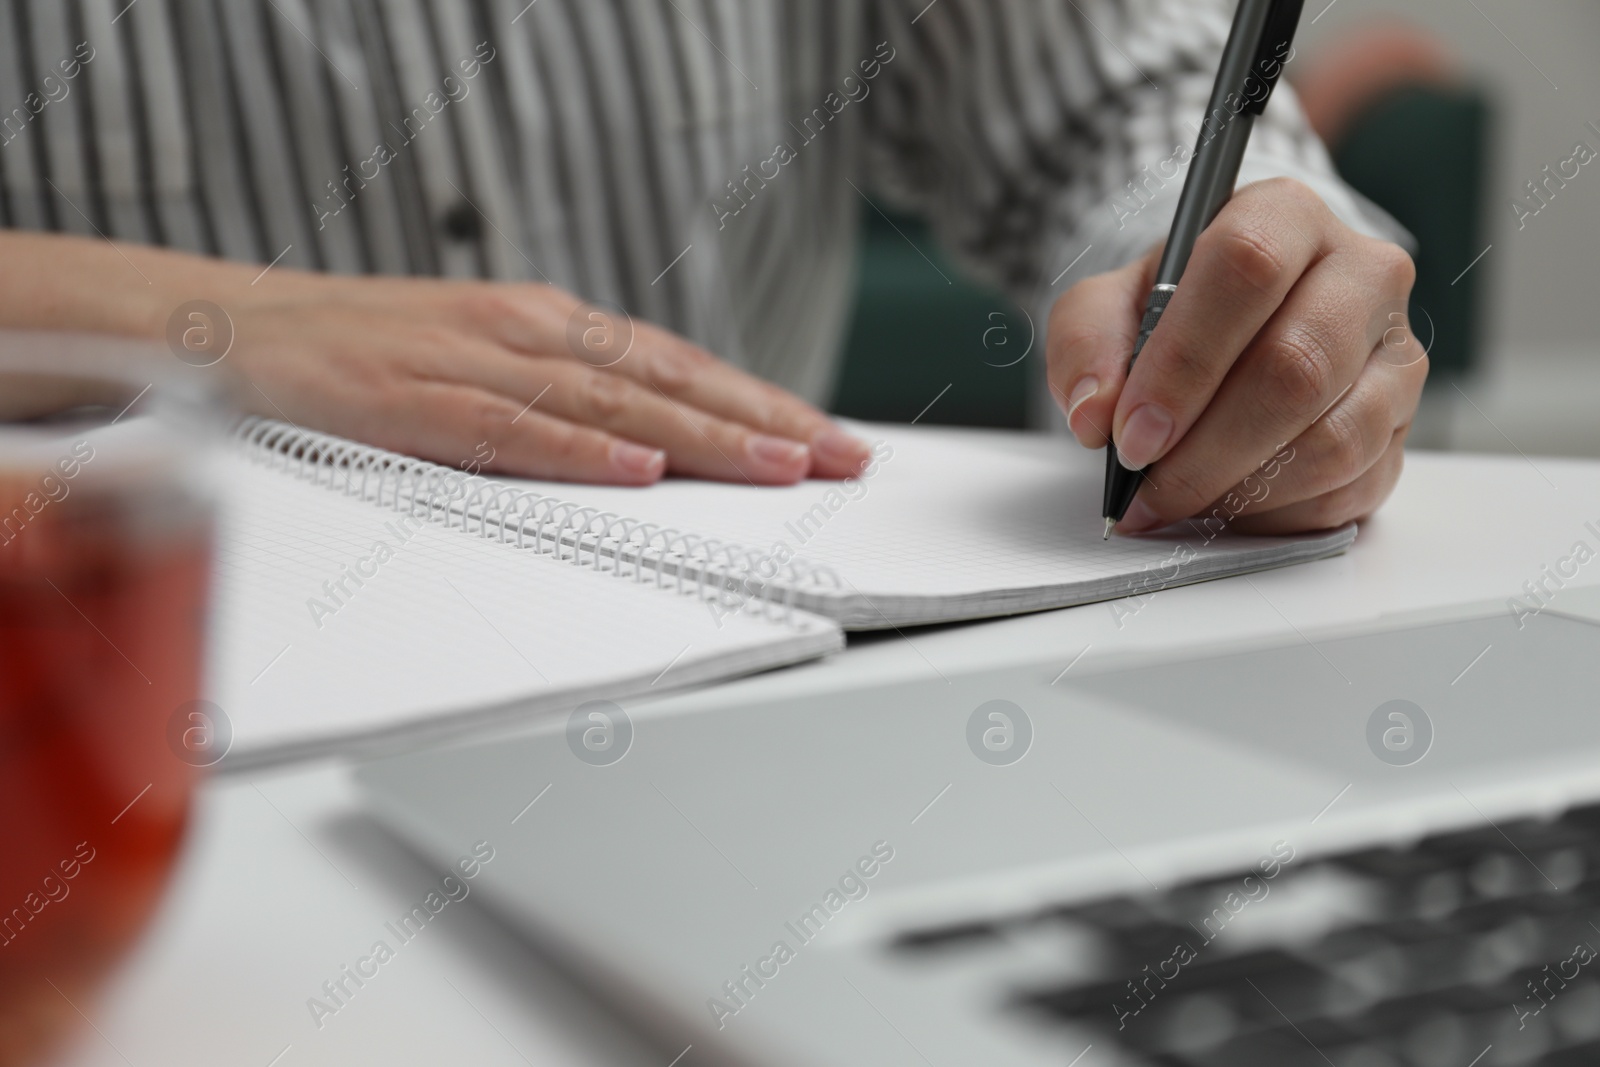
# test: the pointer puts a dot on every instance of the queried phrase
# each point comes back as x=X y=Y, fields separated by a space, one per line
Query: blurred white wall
x=1541 y=389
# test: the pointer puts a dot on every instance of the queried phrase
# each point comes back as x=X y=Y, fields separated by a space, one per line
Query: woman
x=701 y=164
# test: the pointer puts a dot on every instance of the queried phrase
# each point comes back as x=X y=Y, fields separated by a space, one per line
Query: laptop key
x=1282 y=1047
x=943 y=937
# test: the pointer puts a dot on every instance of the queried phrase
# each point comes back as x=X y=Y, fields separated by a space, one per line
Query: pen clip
x=1275 y=51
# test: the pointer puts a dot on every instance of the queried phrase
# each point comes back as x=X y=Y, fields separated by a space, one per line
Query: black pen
x=1257 y=49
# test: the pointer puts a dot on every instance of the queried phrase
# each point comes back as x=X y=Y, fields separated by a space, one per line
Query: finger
x=1352 y=502
x=1092 y=330
x=540 y=321
x=1342 y=445
x=694 y=377
x=696 y=444
x=1243 y=267
x=446 y=422
x=1313 y=348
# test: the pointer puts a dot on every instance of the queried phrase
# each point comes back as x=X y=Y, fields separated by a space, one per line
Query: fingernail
x=637 y=459
x=1143 y=436
x=775 y=450
x=835 y=446
x=1140 y=518
x=1085 y=389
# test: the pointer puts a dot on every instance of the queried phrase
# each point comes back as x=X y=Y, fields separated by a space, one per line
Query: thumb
x=1090 y=338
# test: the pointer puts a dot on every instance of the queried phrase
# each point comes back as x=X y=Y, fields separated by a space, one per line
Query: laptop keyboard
x=1475 y=948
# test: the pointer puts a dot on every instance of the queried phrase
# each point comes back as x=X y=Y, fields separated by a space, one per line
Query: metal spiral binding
x=733 y=576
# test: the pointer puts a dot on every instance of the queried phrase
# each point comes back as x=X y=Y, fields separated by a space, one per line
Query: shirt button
x=462 y=223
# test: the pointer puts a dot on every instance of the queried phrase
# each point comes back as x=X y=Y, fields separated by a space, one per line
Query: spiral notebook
x=947 y=524
x=351 y=617
x=943 y=525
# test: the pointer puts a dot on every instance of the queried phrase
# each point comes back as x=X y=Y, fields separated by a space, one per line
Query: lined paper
x=337 y=625
x=951 y=524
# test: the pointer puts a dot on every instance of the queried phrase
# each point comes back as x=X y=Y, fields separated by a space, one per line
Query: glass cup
x=105 y=558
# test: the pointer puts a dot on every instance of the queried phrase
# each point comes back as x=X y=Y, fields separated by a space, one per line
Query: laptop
x=1377 y=845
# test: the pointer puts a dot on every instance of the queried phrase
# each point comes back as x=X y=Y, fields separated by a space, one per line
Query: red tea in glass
x=104 y=560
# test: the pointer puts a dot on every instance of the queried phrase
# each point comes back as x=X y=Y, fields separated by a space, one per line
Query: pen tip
x=1107 y=535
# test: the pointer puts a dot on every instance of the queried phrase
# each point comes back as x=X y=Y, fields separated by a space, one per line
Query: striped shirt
x=699 y=163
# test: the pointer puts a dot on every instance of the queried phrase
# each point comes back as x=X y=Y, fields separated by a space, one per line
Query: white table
x=285 y=879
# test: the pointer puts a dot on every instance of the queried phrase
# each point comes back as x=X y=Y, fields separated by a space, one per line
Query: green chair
x=920 y=326
x=1422 y=155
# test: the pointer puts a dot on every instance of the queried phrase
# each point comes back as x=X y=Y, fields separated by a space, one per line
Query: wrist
x=85 y=285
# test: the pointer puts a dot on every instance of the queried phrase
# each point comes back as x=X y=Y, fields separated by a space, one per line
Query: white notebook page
x=449 y=624
x=948 y=513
